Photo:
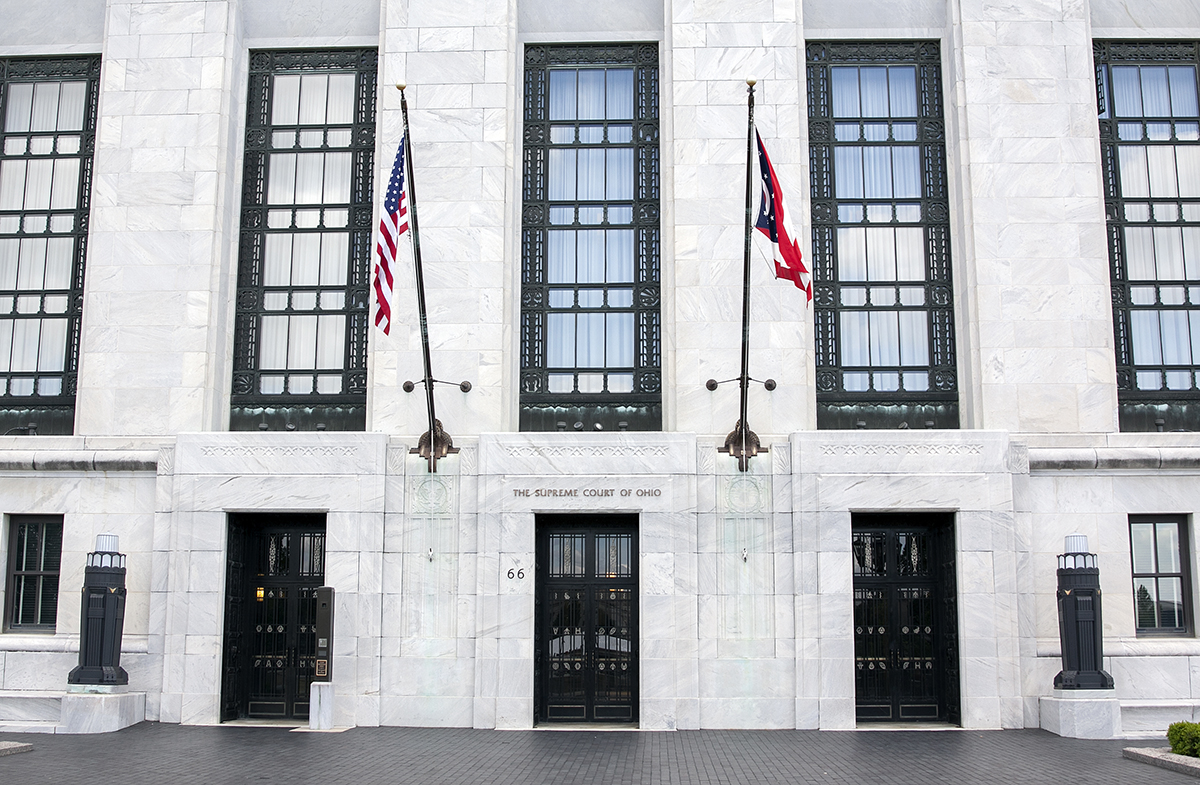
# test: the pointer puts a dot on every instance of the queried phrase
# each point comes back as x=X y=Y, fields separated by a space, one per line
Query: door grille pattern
x=904 y=658
x=587 y=619
x=275 y=565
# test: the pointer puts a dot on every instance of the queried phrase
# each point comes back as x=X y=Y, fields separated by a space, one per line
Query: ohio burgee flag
x=773 y=222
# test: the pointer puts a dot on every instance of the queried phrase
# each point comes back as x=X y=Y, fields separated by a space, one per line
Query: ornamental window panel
x=1150 y=140
x=304 y=259
x=34 y=558
x=1161 y=588
x=47 y=136
x=590 y=343
x=881 y=240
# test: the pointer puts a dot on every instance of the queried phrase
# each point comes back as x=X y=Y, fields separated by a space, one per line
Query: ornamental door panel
x=586 y=619
x=272 y=616
x=902 y=661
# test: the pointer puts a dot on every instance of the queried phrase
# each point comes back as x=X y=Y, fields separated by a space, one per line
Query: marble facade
x=745 y=579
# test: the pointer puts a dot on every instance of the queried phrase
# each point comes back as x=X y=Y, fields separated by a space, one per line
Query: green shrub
x=1184 y=738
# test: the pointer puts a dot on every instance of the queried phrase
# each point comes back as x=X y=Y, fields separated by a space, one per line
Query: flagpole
x=416 y=242
x=743 y=425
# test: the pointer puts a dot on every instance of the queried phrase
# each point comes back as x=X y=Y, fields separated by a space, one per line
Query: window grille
x=590 y=322
x=882 y=297
x=1150 y=144
x=48 y=107
x=34 y=556
x=305 y=255
x=1161 y=590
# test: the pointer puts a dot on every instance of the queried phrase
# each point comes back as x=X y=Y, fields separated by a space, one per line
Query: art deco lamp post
x=1080 y=626
x=103 y=616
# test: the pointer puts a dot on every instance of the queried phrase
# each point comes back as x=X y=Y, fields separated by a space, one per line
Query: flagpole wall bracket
x=713 y=384
x=464 y=385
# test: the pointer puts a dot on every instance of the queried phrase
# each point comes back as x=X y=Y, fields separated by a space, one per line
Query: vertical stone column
x=155 y=332
x=714 y=47
x=1032 y=269
x=458 y=61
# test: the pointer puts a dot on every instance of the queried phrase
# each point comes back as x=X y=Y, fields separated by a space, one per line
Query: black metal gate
x=905 y=618
x=275 y=564
x=587 y=598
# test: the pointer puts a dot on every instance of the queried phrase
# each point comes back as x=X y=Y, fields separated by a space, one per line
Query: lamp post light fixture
x=1080 y=625
x=103 y=616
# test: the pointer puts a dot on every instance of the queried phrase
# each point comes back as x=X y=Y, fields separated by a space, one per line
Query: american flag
x=772 y=221
x=393 y=224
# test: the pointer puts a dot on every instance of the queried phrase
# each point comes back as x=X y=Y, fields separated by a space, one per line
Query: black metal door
x=586 y=639
x=901 y=607
x=271 y=614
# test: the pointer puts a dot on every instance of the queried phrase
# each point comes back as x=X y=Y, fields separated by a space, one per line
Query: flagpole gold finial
x=400 y=86
x=751 y=81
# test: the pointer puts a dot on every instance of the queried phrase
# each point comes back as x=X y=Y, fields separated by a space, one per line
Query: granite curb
x=1164 y=759
x=13 y=747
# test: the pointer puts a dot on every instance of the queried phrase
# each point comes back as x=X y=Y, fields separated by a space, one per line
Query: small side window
x=34 y=557
x=1161 y=586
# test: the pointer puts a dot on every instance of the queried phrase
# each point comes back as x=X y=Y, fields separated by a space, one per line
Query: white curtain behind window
x=1127 y=91
x=902 y=81
x=589 y=340
x=619 y=340
x=620 y=94
x=591 y=94
x=1156 y=98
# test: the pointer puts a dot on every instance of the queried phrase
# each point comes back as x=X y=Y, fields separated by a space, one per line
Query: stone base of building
x=1082 y=714
x=320 y=705
x=97 y=712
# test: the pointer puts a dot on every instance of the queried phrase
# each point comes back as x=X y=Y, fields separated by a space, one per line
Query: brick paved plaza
x=177 y=755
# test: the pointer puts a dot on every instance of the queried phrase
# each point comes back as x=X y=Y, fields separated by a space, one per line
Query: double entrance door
x=275 y=565
x=586 y=625
x=905 y=618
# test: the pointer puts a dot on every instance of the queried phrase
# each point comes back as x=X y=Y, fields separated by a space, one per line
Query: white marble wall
x=765 y=644
x=157 y=324
x=91 y=502
x=78 y=26
x=341 y=475
x=461 y=66
x=1154 y=677
x=964 y=473
x=712 y=48
x=1032 y=283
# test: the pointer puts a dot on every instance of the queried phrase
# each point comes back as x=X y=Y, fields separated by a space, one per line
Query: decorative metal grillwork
x=275 y=563
x=590 y=316
x=587 y=619
x=1150 y=153
x=905 y=633
x=300 y=339
x=47 y=139
x=881 y=236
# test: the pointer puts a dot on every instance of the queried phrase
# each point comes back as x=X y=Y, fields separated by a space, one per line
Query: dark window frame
x=1139 y=410
x=1184 y=574
x=14 y=576
x=936 y=407
x=52 y=413
x=641 y=409
x=250 y=409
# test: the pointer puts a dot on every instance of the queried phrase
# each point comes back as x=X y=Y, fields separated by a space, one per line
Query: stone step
x=25 y=706
x=27 y=726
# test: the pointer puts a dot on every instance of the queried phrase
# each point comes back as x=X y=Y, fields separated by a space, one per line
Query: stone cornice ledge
x=79 y=460
x=1112 y=458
